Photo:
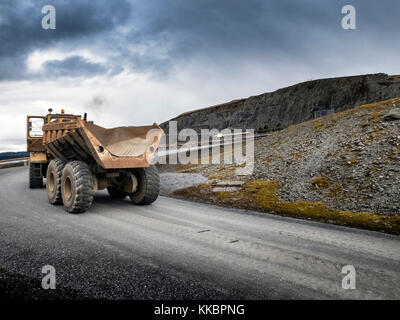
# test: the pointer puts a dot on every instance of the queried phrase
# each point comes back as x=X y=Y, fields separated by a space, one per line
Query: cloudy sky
x=135 y=62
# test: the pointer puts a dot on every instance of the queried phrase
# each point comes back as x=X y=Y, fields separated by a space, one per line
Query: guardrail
x=17 y=162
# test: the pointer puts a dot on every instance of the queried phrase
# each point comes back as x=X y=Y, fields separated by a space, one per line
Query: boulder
x=393 y=115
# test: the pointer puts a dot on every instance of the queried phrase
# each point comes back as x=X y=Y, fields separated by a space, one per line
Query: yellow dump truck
x=78 y=158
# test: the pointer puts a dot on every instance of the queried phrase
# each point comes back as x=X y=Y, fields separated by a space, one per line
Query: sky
x=135 y=62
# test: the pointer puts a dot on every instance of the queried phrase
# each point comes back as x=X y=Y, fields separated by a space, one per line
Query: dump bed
x=116 y=148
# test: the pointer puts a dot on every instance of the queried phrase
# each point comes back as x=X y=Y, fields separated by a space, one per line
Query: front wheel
x=148 y=187
x=77 y=187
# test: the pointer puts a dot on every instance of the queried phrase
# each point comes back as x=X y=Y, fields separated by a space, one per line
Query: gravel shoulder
x=171 y=181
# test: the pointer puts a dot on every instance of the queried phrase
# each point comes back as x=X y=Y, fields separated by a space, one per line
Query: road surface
x=177 y=249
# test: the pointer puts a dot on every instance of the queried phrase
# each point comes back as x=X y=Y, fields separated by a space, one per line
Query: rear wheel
x=148 y=186
x=53 y=180
x=115 y=193
x=35 y=175
x=77 y=187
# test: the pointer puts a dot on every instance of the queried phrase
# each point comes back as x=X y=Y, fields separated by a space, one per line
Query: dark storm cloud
x=222 y=32
x=238 y=30
x=78 y=21
x=211 y=25
x=74 y=66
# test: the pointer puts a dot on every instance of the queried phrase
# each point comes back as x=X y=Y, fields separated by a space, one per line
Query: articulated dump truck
x=78 y=158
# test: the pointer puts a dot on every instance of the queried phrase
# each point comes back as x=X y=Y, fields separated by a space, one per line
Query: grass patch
x=226 y=195
x=268 y=160
x=320 y=183
x=297 y=155
x=375 y=115
x=215 y=176
x=264 y=192
x=336 y=189
x=186 y=167
x=318 y=126
x=379 y=104
x=273 y=144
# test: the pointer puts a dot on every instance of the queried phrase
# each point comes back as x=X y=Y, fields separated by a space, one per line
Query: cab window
x=35 y=127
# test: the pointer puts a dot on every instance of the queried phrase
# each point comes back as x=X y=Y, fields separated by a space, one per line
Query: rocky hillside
x=292 y=105
x=349 y=160
x=344 y=168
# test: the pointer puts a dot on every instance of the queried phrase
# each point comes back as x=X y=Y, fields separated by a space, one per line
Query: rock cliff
x=292 y=105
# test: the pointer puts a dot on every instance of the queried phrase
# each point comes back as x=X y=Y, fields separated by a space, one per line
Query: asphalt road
x=177 y=249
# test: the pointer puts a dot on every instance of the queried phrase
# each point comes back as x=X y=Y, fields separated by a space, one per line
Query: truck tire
x=148 y=186
x=35 y=176
x=115 y=193
x=77 y=187
x=53 y=180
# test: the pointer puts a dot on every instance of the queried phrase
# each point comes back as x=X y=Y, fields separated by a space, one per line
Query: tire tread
x=84 y=187
x=34 y=181
x=151 y=181
x=59 y=165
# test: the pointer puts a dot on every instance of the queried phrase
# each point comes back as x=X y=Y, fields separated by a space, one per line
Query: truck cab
x=38 y=157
